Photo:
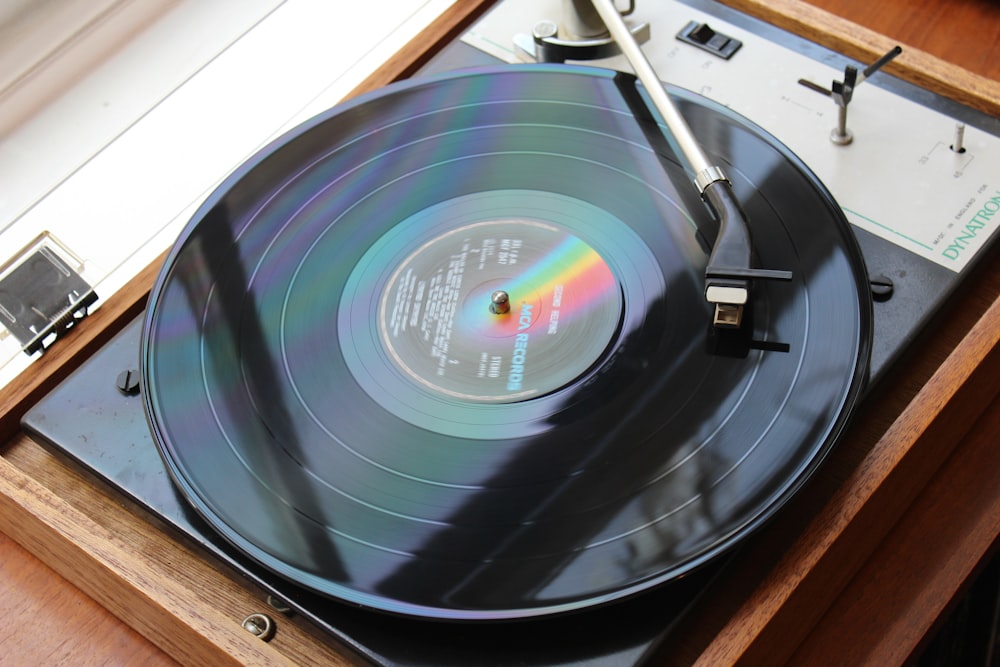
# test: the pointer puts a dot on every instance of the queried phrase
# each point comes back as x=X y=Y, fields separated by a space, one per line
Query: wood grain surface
x=940 y=480
x=962 y=32
x=49 y=622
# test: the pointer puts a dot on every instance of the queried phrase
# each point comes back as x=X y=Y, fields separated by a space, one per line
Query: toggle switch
x=707 y=39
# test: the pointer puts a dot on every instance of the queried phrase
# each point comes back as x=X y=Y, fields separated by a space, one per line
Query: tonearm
x=730 y=270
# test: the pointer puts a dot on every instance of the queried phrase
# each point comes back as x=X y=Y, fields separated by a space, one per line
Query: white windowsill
x=116 y=163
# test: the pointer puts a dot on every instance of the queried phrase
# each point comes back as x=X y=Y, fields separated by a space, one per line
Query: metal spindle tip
x=499 y=302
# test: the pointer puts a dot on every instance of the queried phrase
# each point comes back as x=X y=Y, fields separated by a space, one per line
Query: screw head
x=259 y=625
x=881 y=287
x=128 y=382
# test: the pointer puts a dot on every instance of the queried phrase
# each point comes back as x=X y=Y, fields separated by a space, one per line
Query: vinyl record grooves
x=331 y=390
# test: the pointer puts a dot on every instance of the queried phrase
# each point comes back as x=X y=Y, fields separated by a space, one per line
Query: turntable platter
x=333 y=388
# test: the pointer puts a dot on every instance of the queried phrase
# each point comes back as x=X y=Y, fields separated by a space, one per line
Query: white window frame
x=46 y=45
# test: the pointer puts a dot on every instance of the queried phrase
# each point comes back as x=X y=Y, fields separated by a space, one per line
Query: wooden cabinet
x=860 y=567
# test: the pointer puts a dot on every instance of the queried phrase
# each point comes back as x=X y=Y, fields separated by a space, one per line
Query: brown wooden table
x=859 y=569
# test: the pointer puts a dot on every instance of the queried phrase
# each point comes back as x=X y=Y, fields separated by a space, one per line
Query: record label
x=500 y=311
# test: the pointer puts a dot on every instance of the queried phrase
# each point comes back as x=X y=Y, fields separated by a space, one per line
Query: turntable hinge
x=42 y=294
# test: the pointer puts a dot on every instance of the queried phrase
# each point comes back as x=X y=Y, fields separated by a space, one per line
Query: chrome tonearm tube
x=729 y=271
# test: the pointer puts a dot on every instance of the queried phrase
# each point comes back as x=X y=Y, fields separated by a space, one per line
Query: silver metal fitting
x=709 y=175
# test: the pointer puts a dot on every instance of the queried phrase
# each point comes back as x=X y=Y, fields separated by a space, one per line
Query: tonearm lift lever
x=729 y=272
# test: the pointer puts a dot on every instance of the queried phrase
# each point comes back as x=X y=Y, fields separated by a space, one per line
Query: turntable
x=465 y=368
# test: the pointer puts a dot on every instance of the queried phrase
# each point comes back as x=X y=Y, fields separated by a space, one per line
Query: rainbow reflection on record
x=437 y=322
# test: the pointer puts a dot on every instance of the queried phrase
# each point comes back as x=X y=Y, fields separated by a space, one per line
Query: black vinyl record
x=333 y=387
